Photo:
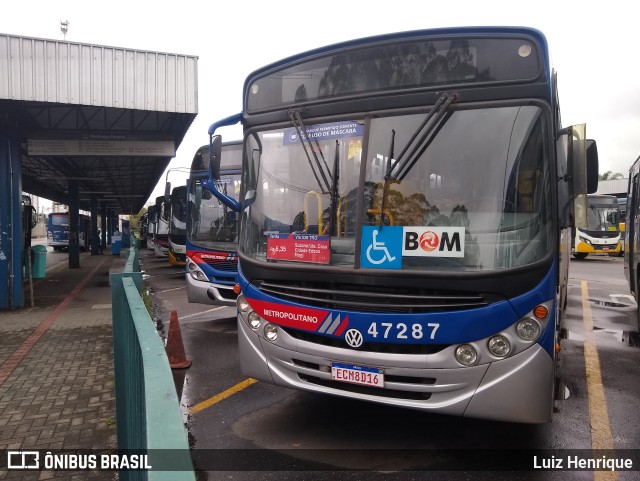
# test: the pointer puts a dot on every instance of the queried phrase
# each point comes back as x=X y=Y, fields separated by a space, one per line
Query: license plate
x=366 y=376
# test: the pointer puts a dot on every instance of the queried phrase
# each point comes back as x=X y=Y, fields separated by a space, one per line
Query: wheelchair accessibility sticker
x=381 y=248
x=384 y=248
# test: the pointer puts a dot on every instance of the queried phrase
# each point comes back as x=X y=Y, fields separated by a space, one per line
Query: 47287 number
x=388 y=330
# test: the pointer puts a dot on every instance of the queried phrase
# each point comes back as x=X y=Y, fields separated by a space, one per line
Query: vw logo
x=354 y=338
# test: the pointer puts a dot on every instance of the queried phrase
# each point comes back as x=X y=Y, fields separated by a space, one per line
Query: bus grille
x=357 y=298
x=228 y=265
x=378 y=347
x=371 y=391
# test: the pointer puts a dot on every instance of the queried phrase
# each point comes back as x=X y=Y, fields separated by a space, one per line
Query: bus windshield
x=178 y=225
x=602 y=214
x=213 y=225
x=485 y=172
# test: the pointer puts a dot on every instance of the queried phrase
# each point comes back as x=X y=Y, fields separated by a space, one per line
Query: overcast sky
x=594 y=48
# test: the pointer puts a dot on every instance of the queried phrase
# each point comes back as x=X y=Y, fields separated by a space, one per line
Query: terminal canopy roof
x=107 y=119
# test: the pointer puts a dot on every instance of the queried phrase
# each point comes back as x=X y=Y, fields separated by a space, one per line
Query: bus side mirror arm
x=225 y=199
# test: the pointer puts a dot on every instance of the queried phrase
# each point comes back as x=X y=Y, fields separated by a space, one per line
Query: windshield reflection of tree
x=401 y=65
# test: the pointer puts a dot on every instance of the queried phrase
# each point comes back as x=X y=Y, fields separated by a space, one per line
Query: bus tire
x=580 y=255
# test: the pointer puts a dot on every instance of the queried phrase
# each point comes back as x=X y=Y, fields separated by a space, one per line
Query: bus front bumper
x=516 y=389
x=200 y=292
x=585 y=248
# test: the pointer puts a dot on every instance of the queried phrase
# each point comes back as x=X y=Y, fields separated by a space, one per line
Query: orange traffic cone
x=175 y=348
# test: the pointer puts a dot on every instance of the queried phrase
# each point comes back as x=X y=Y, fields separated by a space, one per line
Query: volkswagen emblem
x=354 y=338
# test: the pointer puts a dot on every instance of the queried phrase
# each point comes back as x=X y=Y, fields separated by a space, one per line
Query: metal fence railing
x=148 y=417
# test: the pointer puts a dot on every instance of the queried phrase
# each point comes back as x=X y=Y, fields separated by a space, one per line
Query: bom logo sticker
x=433 y=241
x=429 y=241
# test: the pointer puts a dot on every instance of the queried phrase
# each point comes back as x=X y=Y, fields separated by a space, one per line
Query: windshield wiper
x=427 y=132
x=387 y=177
x=325 y=185
x=421 y=138
x=335 y=196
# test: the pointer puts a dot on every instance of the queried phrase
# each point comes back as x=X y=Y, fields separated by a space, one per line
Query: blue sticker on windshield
x=330 y=131
x=381 y=248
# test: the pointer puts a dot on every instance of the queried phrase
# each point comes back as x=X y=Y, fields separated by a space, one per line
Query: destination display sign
x=299 y=248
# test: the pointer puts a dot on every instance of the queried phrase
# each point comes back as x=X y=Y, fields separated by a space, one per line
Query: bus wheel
x=580 y=255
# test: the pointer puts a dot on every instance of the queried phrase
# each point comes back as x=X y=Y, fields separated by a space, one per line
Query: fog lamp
x=466 y=355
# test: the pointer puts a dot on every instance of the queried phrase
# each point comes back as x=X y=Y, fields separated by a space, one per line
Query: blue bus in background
x=212 y=229
x=406 y=208
x=58 y=231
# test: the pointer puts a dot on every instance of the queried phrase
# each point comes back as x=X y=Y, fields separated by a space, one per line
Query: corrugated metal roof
x=41 y=70
x=613 y=186
x=131 y=107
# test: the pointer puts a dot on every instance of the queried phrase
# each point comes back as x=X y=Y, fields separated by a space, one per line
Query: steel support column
x=11 y=244
x=103 y=224
x=95 y=241
x=74 y=227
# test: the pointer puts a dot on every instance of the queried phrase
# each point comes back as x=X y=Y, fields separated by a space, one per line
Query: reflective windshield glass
x=486 y=173
x=602 y=215
x=296 y=186
x=212 y=224
x=481 y=188
x=178 y=223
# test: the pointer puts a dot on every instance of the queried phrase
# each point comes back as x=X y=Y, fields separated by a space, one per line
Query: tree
x=135 y=218
x=609 y=175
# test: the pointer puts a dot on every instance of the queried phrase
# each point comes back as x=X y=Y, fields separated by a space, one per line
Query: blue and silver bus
x=212 y=229
x=405 y=211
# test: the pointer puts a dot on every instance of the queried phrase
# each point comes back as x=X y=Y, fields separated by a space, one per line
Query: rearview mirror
x=592 y=166
x=215 y=154
x=582 y=172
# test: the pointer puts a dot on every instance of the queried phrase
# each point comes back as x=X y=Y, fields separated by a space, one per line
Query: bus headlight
x=254 y=320
x=528 y=329
x=499 y=346
x=271 y=332
x=466 y=355
x=195 y=272
x=242 y=303
x=585 y=240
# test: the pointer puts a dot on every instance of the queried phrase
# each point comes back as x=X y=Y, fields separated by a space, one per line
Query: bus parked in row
x=178 y=226
x=601 y=235
x=212 y=228
x=632 y=235
x=622 y=208
x=152 y=222
x=405 y=211
x=161 y=233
